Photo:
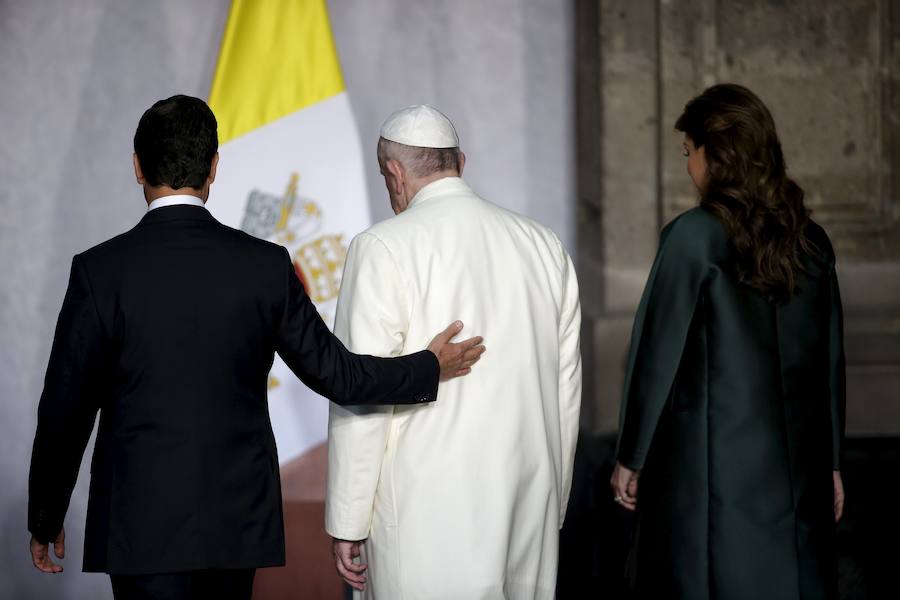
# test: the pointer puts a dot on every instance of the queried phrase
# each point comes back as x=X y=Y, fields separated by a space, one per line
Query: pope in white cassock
x=463 y=498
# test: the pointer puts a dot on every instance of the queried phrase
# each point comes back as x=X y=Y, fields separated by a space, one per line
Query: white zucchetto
x=422 y=126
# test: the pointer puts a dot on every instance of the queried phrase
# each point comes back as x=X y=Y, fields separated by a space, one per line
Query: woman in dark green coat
x=732 y=414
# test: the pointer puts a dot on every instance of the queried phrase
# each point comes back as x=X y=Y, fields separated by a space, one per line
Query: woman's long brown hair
x=747 y=187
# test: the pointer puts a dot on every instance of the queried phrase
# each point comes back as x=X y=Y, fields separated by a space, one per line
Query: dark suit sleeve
x=67 y=408
x=837 y=374
x=660 y=330
x=322 y=362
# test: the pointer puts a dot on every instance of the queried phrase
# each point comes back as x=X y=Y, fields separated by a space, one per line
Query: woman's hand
x=838 y=495
x=624 y=483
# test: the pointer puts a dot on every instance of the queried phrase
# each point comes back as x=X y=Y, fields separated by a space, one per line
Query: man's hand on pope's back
x=344 y=552
x=456 y=359
x=40 y=553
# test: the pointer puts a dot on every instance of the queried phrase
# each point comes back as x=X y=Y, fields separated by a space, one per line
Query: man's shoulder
x=418 y=226
x=540 y=235
x=389 y=228
x=247 y=242
x=393 y=233
x=140 y=239
x=113 y=247
x=529 y=224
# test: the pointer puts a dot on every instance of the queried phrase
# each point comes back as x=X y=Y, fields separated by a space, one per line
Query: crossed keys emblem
x=295 y=223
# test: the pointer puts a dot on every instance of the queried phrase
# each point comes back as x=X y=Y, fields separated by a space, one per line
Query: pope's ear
x=462 y=162
x=397 y=175
x=394 y=167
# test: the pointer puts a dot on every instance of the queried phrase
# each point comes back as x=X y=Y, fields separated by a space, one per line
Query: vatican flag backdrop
x=290 y=169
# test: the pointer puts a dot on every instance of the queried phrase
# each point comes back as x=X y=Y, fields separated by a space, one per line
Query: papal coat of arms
x=295 y=223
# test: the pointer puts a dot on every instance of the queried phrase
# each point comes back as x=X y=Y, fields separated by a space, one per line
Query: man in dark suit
x=169 y=331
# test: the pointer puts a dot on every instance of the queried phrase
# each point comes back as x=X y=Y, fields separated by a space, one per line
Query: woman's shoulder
x=696 y=232
x=696 y=220
x=820 y=243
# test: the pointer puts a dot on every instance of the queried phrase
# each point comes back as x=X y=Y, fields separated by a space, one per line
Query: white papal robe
x=461 y=499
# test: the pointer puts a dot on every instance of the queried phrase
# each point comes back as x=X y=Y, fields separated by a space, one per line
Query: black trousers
x=214 y=584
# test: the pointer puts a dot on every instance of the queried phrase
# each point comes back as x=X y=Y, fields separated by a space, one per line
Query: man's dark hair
x=175 y=142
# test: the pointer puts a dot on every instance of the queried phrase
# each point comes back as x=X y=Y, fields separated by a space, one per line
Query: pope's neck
x=416 y=186
x=152 y=193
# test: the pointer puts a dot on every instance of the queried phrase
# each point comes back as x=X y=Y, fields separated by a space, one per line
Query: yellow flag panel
x=277 y=56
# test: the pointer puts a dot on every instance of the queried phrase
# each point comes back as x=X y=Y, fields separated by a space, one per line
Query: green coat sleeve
x=837 y=376
x=683 y=263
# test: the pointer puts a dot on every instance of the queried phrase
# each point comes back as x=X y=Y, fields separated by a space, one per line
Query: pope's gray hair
x=419 y=162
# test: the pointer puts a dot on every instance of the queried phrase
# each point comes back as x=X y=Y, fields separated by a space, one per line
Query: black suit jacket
x=169 y=331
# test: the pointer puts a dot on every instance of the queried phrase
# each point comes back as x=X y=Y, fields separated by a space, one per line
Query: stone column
x=828 y=70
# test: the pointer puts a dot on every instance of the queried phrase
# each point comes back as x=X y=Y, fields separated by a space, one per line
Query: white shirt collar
x=175 y=199
x=444 y=185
